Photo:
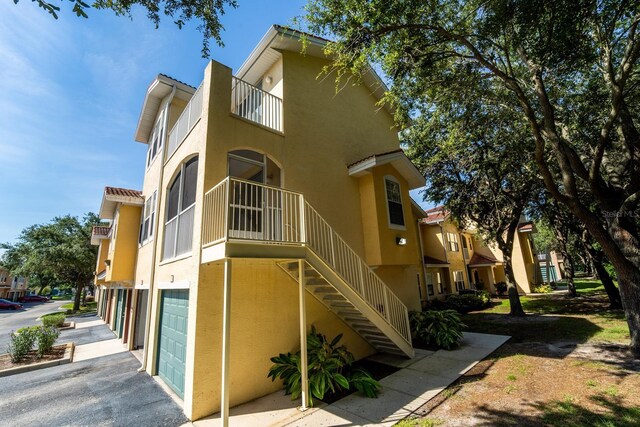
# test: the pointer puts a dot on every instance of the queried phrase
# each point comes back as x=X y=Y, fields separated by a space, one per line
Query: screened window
x=181 y=200
x=458 y=278
x=452 y=239
x=148 y=219
x=155 y=144
x=394 y=202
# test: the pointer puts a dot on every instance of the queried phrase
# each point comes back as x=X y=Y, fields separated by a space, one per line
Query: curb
x=67 y=358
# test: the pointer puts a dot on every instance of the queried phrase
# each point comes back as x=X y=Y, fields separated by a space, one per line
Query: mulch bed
x=56 y=353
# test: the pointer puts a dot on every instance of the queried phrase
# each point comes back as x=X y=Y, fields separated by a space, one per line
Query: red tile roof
x=478 y=259
x=525 y=227
x=115 y=191
x=437 y=214
x=99 y=230
x=399 y=150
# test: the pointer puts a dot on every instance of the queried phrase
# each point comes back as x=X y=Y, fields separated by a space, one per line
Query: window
x=394 y=202
x=429 y=281
x=181 y=200
x=452 y=240
x=155 y=144
x=439 y=283
x=458 y=278
x=148 y=218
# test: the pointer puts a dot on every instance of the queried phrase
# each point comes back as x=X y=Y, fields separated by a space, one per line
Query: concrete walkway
x=418 y=380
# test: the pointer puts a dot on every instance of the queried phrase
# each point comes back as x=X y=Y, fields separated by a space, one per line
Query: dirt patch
x=56 y=353
x=542 y=387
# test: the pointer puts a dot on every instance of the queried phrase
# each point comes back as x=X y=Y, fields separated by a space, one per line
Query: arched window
x=181 y=200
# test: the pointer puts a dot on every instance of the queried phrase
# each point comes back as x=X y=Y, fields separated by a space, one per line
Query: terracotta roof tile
x=437 y=214
x=99 y=230
x=525 y=227
x=478 y=259
x=115 y=191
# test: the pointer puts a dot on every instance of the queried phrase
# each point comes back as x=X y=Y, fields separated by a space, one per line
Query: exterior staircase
x=270 y=222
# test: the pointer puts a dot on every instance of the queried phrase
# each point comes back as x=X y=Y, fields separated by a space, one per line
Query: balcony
x=247 y=219
x=256 y=105
x=187 y=121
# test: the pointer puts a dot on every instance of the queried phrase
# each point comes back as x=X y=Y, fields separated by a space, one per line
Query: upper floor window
x=155 y=144
x=429 y=280
x=181 y=201
x=452 y=240
x=3 y=277
x=148 y=219
x=394 y=202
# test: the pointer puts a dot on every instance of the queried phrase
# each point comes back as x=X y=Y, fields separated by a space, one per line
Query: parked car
x=9 y=305
x=33 y=298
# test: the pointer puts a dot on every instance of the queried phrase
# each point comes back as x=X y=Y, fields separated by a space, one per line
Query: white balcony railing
x=241 y=210
x=187 y=120
x=255 y=104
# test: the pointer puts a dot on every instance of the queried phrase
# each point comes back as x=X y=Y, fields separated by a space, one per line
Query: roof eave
x=400 y=162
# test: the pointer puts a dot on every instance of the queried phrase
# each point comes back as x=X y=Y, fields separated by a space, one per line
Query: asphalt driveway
x=104 y=391
x=11 y=320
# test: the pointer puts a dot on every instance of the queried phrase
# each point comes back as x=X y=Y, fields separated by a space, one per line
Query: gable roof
x=478 y=260
x=397 y=159
x=159 y=88
x=279 y=38
x=114 y=195
x=430 y=261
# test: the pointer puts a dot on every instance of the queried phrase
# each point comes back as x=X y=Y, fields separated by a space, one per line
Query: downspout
x=424 y=267
x=156 y=224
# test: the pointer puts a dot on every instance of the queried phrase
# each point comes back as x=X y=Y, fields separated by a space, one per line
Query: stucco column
x=226 y=328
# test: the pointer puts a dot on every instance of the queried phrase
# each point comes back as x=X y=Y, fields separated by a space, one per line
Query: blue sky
x=71 y=91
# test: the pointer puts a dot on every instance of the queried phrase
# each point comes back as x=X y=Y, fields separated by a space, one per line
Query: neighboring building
x=115 y=268
x=12 y=288
x=457 y=258
x=260 y=189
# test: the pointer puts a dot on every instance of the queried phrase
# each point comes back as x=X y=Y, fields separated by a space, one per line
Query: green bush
x=56 y=320
x=440 y=328
x=465 y=303
x=485 y=297
x=46 y=290
x=46 y=337
x=329 y=369
x=21 y=343
x=542 y=289
x=501 y=288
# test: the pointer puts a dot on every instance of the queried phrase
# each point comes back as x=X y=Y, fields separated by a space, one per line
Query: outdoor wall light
x=172 y=278
x=401 y=241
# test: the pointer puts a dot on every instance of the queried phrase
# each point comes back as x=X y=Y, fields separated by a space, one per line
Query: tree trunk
x=76 y=299
x=629 y=282
x=512 y=290
x=569 y=272
x=596 y=258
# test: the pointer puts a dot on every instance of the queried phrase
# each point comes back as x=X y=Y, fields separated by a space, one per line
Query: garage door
x=172 y=341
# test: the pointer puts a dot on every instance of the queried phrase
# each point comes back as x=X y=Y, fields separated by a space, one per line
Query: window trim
x=152 y=219
x=391 y=225
x=181 y=172
x=430 y=286
x=455 y=242
x=456 y=281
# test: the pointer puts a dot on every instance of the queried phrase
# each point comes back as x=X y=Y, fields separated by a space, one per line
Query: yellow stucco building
x=269 y=204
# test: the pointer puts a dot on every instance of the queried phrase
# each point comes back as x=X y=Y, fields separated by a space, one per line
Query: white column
x=226 y=318
x=303 y=336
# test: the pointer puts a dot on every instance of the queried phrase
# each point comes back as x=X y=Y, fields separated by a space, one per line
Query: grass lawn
x=566 y=365
x=88 y=308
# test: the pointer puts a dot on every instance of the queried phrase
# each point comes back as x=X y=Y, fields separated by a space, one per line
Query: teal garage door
x=172 y=340
x=119 y=309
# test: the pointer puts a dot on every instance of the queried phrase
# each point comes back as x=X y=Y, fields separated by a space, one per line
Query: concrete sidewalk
x=418 y=380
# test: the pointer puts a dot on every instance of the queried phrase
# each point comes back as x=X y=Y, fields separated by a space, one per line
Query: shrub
x=485 y=297
x=542 y=289
x=46 y=290
x=465 y=303
x=21 y=343
x=329 y=369
x=46 y=336
x=501 y=288
x=56 y=320
x=440 y=328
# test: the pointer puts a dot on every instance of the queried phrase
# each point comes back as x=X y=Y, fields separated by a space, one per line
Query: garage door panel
x=173 y=338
